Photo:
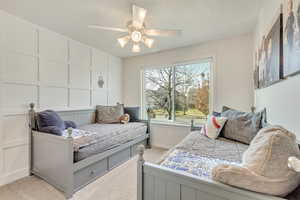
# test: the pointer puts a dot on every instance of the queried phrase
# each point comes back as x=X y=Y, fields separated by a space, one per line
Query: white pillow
x=213 y=126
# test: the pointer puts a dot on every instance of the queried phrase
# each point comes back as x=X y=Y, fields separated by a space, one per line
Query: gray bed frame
x=156 y=182
x=52 y=157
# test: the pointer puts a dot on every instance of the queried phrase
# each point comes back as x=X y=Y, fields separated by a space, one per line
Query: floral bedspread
x=81 y=138
x=198 y=154
x=193 y=163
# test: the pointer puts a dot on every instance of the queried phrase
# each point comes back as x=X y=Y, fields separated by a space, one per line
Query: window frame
x=210 y=59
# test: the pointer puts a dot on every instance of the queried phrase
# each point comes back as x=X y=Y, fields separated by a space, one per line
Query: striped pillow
x=214 y=126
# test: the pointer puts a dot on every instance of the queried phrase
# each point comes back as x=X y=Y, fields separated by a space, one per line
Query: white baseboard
x=11 y=177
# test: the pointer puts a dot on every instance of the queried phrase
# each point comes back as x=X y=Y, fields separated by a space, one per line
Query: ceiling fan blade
x=138 y=16
x=157 y=32
x=108 y=28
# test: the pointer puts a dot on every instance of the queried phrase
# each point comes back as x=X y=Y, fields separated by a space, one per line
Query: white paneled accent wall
x=51 y=70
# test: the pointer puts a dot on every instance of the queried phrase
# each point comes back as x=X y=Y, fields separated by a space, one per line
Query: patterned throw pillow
x=214 y=126
x=109 y=114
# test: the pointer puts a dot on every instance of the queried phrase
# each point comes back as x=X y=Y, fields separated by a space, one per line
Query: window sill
x=169 y=123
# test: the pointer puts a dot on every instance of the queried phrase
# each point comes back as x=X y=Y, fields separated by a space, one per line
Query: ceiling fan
x=137 y=32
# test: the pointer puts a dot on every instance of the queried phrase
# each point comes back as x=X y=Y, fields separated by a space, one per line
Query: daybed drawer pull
x=92 y=172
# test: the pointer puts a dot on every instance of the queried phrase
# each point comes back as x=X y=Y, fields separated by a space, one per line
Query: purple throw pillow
x=70 y=124
x=51 y=129
x=50 y=118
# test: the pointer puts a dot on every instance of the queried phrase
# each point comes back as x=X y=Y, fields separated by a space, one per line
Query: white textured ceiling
x=200 y=20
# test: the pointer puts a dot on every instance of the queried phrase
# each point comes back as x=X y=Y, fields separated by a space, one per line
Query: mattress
x=198 y=154
x=109 y=136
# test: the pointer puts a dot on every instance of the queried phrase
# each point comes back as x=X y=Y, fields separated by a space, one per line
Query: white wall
x=54 y=72
x=167 y=136
x=282 y=99
x=233 y=82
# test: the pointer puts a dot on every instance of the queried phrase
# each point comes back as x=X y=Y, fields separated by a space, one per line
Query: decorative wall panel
x=20 y=68
x=99 y=69
x=80 y=54
x=53 y=46
x=99 y=97
x=16 y=98
x=15 y=128
x=15 y=158
x=53 y=73
x=80 y=77
x=19 y=36
x=79 y=98
x=50 y=70
x=53 y=98
x=114 y=81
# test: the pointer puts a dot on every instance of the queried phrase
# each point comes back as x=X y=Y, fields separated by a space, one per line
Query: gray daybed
x=184 y=172
x=54 y=158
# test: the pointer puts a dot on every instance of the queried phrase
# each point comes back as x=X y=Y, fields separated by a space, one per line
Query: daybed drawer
x=88 y=174
x=134 y=147
x=119 y=158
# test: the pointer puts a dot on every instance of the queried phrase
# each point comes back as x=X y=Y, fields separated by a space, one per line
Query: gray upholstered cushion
x=109 y=114
x=265 y=164
x=241 y=126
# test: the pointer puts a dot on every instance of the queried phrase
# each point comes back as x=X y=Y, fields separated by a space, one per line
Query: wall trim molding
x=51 y=70
x=15 y=143
x=13 y=176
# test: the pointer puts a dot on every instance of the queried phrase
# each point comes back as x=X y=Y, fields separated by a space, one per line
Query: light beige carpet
x=119 y=184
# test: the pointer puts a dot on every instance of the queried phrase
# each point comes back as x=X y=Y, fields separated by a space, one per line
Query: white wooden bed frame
x=156 y=182
x=52 y=157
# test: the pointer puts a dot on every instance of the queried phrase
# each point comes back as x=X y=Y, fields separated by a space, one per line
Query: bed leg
x=32 y=126
x=140 y=164
x=69 y=195
x=148 y=141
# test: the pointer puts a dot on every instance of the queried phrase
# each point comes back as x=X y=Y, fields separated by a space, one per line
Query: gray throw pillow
x=241 y=126
x=133 y=112
x=109 y=114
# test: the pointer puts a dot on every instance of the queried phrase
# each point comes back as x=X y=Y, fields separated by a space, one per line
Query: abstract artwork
x=256 y=72
x=291 y=37
x=269 y=56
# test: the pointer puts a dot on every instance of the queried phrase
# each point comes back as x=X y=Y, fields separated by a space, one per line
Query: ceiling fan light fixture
x=148 y=42
x=142 y=14
x=136 y=36
x=137 y=32
x=123 y=40
x=136 y=48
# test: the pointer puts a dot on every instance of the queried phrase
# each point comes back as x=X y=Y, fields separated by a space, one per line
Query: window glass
x=192 y=92
x=158 y=92
x=177 y=93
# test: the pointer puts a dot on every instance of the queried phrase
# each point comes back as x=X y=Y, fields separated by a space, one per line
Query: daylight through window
x=178 y=93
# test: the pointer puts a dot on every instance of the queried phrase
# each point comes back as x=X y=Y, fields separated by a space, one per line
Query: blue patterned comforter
x=193 y=164
x=198 y=155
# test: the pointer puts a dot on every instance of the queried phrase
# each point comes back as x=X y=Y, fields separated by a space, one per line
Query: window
x=177 y=93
